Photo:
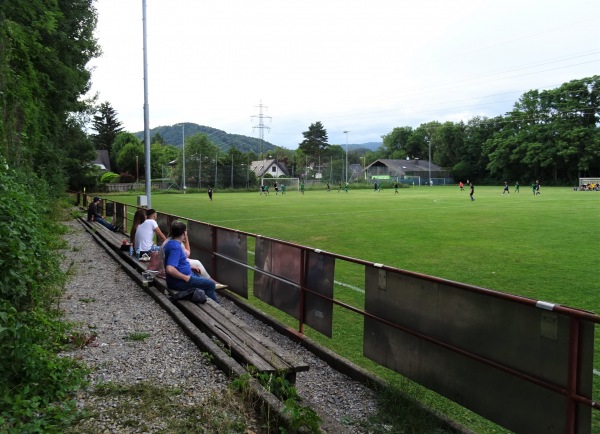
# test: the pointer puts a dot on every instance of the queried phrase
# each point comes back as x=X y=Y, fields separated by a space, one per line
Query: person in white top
x=144 y=236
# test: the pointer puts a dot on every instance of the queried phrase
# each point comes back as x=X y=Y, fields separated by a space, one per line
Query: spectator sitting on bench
x=138 y=218
x=195 y=263
x=94 y=216
x=144 y=235
x=180 y=274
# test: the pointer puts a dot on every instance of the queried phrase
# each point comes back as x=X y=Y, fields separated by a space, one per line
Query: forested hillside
x=173 y=135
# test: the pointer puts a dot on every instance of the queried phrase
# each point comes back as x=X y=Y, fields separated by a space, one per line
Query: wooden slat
x=218 y=314
x=236 y=344
x=268 y=349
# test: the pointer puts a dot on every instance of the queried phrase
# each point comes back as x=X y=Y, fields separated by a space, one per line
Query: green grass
x=137 y=336
x=544 y=247
x=139 y=407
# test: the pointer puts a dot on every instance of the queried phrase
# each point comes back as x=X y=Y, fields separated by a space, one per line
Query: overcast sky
x=360 y=66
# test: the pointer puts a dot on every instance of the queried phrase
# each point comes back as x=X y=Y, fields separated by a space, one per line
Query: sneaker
x=221 y=286
x=145 y=258
x=118 y=229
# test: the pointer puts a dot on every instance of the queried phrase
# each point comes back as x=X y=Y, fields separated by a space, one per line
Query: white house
x=274 y=168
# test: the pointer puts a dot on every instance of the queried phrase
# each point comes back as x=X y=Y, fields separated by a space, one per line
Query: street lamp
x=346 y=133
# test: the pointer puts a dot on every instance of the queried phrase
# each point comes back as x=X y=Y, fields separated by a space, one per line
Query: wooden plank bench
x=246 y=345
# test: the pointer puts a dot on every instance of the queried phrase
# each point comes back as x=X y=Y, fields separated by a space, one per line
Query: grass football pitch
x=543 y=247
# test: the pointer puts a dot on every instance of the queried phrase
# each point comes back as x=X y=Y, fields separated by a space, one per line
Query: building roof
x=404 y=166
x=102 y=160
x=261 y=167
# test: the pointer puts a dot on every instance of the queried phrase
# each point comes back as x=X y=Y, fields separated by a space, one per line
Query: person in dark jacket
x=94 y=216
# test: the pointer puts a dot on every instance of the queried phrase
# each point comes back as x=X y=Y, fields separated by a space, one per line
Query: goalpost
x=411 y=180
x=290 y=183
x=438 y=181
x=589 y=181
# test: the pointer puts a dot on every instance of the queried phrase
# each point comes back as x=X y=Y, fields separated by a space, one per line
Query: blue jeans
x=105 y=223
x=207 y=285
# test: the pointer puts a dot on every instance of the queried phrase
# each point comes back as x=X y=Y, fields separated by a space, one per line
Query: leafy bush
x=109 y=177
x=36 y=384
x=126 y=178
x=28 y=234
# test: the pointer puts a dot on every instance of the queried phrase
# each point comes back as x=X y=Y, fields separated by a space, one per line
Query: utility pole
x=261 y=126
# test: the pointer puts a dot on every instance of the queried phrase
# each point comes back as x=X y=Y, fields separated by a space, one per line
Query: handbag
x=157 y=263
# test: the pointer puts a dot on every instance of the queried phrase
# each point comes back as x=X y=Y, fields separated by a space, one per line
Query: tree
x=107 y=127
x=237 y=168
x=131 y=159
x=44 y=50
x=160 y=157
x=448 y=142
x=315 y=141
x=157 y=138
x=395 y=144
x=477 y=132
x=81 y=173
x=121 y=140
x=550 y=135
x=200 y=153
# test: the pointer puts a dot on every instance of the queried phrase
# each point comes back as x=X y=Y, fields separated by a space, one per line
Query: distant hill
x=172 y=135
x=369 y=146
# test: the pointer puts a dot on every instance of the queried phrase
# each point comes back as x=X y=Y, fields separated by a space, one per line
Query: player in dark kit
x=471 y=191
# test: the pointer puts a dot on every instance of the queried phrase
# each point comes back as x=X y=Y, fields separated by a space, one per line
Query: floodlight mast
x=183 y=155
x=146 y=112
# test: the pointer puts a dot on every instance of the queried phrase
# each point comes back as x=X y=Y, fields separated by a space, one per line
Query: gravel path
x=103 y=300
